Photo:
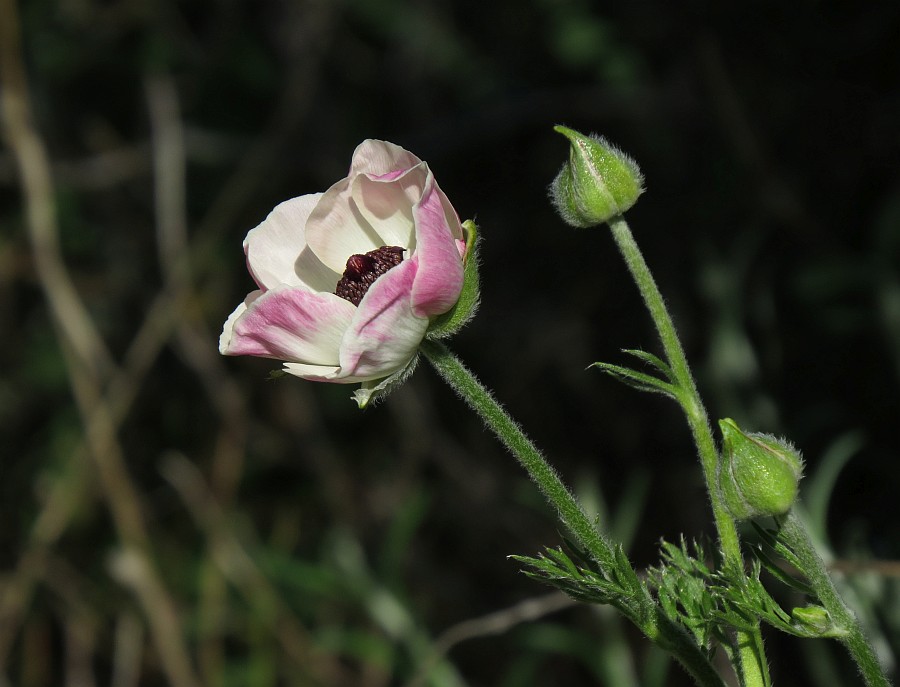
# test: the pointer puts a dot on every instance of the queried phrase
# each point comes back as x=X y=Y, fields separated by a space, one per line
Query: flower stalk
x=650 y=619
x=793 y=534
x=464 y=383
x=688 y=396
x=748 y=645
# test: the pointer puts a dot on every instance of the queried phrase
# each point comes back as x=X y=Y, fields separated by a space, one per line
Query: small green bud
x=815 y=620
x=598 y=183
x=758 y=473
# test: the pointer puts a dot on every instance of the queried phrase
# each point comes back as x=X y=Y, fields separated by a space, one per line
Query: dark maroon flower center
x=362 y=271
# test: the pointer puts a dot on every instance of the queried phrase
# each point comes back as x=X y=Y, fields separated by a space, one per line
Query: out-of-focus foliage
x=299 y=541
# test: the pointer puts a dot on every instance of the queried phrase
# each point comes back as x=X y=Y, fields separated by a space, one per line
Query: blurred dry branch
x=88 y=359
x=104 y=391
x=493 y=623
x=236 y=565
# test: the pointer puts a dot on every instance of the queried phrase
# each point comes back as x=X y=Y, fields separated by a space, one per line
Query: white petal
x=277 y=252
x=315 y=373
x=381 y=157
x=336 y=230
x=387 y=203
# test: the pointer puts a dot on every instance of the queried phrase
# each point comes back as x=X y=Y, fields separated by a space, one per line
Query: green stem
x=508 y=431
x=793 y=533
x=652 y=621
x=753 y=667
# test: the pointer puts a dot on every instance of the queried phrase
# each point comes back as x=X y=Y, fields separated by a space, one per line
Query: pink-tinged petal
x=299 y=252
x=452 y=218
x=336 y=229
x=380 y=157
x=385 y=333
x=228 y=328
x=277 y=252
x=390 y=176
x=387 y=203
x=439 y=278
x=289 y=324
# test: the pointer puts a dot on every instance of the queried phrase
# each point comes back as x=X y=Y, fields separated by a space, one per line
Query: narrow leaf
x=651 y=359
x=639 y=380
x=781 y=575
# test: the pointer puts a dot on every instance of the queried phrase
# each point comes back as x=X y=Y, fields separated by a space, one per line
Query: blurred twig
x=236 y=565
x=315 y=20
x=120 y=165
x=88 y=361
x=69 y=312
x=129 y=640
x=195 y=342
x=166 y=309
x=80 y=638
x=494 y=623
x=880 y=568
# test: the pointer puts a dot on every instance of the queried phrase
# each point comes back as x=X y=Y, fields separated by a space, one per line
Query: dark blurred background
x=217 y=528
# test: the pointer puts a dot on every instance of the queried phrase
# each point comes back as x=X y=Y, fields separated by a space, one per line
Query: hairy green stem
x=793 y=533
x=650 y=619
x=753 y=668
x=508 y=431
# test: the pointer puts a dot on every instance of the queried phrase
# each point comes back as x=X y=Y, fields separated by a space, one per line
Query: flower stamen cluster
x=363 y=270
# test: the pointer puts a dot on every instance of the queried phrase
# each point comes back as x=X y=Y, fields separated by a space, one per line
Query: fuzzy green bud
x=598 y=183
x=816 y=621
x=758 y=473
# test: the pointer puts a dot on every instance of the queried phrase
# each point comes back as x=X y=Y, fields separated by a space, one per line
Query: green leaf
x=770 y=538
x=620 y=588
x=651 y=359
x=639 y=380
x=780 y=574
x=685 y=587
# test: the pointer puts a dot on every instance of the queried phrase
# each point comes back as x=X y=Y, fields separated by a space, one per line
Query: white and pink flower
x=349 y=279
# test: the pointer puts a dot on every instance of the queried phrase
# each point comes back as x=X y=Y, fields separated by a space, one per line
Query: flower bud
x=816 y=621
x=598 y=183
x=758 y=473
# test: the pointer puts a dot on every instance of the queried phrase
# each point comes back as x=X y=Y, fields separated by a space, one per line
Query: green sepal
x=816 y=621
x=375 y=391
x=465 y=308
